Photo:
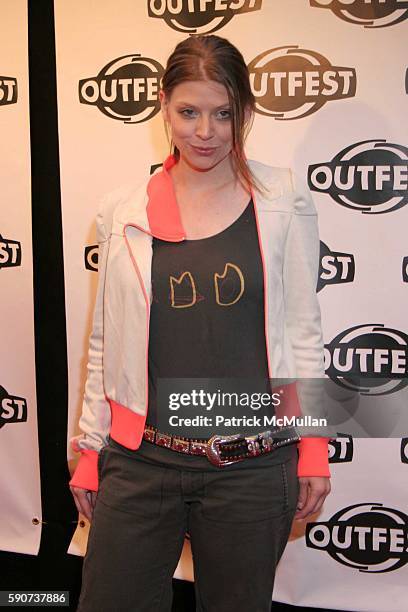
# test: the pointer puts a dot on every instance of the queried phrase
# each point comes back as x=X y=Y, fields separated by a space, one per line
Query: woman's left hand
x=312 y=493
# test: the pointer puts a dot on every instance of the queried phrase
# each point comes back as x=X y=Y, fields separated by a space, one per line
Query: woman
x=206 y=271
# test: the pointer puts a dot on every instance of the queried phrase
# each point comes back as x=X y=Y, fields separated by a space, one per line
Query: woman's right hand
x=84 y=501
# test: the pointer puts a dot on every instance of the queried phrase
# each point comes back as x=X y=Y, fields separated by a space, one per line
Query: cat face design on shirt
x=228 y=288
x=183 y=291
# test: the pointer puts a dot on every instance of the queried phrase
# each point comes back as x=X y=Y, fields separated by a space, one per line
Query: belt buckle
x=213 y=451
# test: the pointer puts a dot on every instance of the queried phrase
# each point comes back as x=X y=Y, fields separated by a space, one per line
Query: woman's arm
x=302 y=314
x=95 y=418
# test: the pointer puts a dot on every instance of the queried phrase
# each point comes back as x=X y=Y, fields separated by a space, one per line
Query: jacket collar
x=152 y=207
x=163 y=213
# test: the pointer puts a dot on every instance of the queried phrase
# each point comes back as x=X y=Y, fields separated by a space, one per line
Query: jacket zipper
x=146 y=297
x=265 y=287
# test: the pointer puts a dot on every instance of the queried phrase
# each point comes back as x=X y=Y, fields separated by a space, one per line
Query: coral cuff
x=86 y=472
x=313 y=457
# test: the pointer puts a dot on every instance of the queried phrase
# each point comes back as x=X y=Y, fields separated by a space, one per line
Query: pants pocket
x=128 y=484
x=252 y=494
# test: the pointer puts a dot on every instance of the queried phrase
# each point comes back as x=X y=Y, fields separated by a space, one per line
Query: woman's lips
x=204 y=151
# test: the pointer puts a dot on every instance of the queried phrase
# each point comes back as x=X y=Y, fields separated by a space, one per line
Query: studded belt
x=222 y=450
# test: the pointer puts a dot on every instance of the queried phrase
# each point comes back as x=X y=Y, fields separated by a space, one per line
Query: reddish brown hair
x=216 y=59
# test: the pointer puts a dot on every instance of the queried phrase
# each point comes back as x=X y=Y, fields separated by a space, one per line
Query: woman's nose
x=204 y=127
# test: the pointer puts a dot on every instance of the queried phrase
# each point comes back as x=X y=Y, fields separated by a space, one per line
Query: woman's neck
x=188 y=178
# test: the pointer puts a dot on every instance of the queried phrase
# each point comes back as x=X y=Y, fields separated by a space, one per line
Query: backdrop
x=329 y=81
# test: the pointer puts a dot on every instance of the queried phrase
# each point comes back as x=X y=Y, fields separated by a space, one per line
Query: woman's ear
x=163 y=105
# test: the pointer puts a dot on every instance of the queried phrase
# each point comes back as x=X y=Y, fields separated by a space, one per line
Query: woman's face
x=199 y=116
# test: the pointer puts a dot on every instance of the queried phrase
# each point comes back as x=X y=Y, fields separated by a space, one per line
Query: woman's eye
x=224 y=114
x=188 y=112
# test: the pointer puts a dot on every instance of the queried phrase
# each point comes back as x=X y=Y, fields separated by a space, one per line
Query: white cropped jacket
x=116 y=392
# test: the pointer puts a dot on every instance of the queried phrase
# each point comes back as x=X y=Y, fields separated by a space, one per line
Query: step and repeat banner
x=330 y=80
x=20 y=494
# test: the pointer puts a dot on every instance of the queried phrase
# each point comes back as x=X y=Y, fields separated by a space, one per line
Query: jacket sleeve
x=95 y=419
x=302 y=313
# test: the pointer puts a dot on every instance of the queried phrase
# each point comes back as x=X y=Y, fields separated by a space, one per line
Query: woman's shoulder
x=115 y=202
x=285 y=184
x=267 y=174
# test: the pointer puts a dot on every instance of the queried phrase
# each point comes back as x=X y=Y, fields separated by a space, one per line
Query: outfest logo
x=8 y=90
x=368 y=537
x=10 y=253
x=341 y=449
x=335 y=267
x=368 y=13
x=370 y=176
x=13 y=409
x=371 y=359
x=291 y=82
x=199 y=16
x=91 y=253
x=405 y=269
x=404 y=450
x=125 y=89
